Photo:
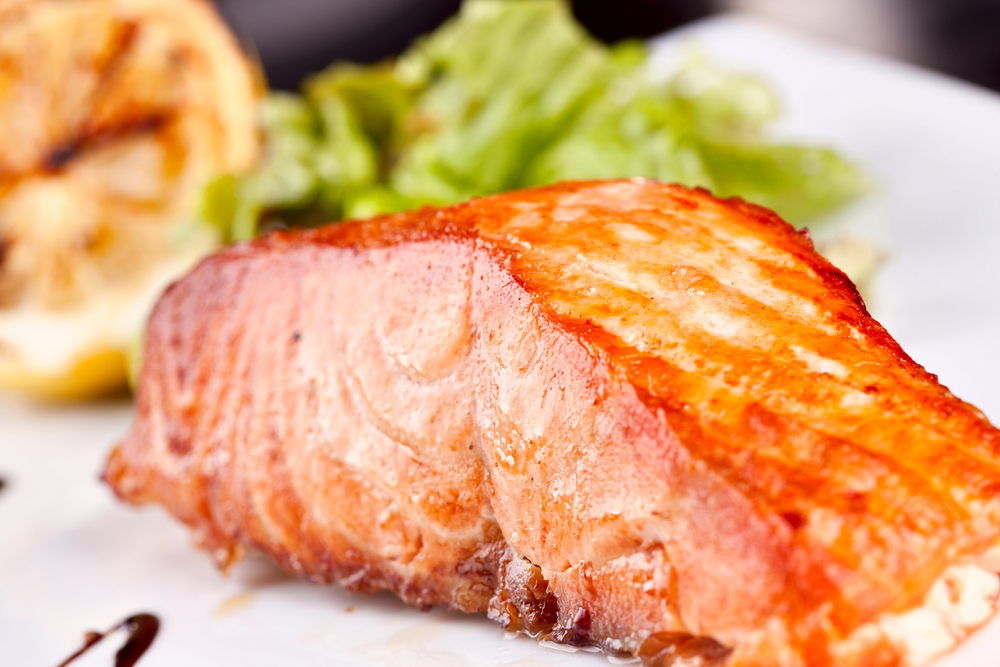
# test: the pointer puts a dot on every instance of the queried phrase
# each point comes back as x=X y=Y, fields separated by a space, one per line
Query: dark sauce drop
x=141 y=628
x=3 y=484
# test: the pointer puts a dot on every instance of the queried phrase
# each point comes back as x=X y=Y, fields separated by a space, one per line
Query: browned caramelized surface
x=624 y=413
x=113 y=114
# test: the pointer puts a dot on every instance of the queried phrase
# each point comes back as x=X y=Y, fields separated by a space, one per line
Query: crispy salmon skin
x=623 y=414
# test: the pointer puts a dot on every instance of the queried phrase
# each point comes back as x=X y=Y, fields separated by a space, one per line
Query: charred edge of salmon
x=524 y=603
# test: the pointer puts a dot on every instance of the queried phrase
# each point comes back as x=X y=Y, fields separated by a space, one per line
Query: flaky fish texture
x=622 y=414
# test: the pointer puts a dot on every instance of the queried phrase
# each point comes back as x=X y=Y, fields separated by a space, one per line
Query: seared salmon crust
x=624 y=414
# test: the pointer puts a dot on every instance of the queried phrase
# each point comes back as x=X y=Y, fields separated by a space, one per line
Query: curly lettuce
x=514 y=94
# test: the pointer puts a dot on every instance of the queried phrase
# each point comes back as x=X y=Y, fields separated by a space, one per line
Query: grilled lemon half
x=113 y=114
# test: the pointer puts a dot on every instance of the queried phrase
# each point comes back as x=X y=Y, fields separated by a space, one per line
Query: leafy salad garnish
x=514 y=94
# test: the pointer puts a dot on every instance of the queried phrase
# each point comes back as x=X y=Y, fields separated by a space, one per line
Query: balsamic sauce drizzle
x=141 y=628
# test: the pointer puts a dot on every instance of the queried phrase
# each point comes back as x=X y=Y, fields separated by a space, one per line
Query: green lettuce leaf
x=512 y=94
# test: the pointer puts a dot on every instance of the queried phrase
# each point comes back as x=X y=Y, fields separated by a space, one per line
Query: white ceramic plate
x=72 y=559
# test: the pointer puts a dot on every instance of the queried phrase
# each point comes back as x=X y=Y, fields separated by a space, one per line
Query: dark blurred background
x=296 y=37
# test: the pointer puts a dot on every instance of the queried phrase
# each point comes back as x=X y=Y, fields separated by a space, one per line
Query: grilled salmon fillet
x=623 y=414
